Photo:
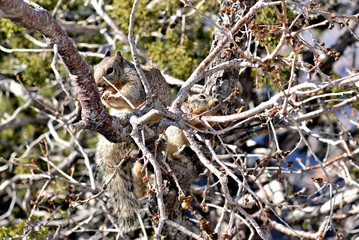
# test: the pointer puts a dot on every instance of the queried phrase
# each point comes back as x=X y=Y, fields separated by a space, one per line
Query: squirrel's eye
x=201 y=96
x=109 y=70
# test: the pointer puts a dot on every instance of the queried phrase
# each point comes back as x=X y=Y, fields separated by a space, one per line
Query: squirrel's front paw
x=106 y=95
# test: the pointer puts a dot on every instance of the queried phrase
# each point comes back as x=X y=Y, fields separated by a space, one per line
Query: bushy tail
x=121 y=186
x=123 y=197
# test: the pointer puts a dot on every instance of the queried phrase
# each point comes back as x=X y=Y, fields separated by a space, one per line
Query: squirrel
x=123 y=77
x=176 y=140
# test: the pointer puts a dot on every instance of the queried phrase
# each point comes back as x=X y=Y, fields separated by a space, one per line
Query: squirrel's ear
x=118 y=54
x=108 y=53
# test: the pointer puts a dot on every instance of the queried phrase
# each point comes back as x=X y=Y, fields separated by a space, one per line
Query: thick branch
x=94 y=115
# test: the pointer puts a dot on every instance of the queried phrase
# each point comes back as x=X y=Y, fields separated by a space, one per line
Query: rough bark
x=223 y=83
x=94 y=115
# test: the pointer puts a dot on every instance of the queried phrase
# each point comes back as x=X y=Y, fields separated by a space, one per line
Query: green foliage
x=181 y=60
x=9 y=29
x=306 y=224
x=354 y=173
x=19 y=230
x=275 y=76
x=38 y=70
x=122 y=10
x=46 y=4
x=355 y=105
x=267 y=17
x=268 y=37
x=146 y=19
x=21 y=169
x=15 y=136
x=66 y=4
x=167 y=51
x=90 y=140
x=37 y=65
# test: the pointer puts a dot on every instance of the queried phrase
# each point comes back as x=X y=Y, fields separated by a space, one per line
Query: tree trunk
x=222 y=83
